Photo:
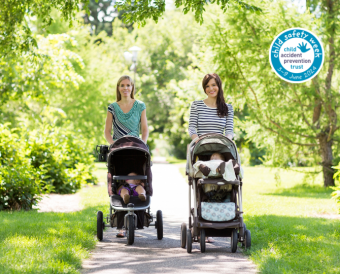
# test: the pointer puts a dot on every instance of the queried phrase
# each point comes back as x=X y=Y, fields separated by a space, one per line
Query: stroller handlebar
x=137 y=177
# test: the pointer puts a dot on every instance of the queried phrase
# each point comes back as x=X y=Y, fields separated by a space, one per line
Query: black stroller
x=128 y=154
x=229 y=215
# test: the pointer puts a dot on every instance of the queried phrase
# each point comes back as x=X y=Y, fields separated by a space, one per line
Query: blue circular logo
x=296 y=55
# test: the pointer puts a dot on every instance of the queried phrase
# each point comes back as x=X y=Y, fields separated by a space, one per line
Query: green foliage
x=296 y=121
x=51 y=159
x=61 y=153
x=15 y=29
x=20 y=183
x=336 y=192
x=35 y=77
x=142 y=10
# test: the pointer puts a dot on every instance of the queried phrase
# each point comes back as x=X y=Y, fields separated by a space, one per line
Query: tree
x=15 y=30
x=28 y=81
x=301 y=117
x=140 y=11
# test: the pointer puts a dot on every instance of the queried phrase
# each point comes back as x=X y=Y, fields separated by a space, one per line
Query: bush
x=20 y=183
x=51 y=159
x=336 y=192
x=65 y=157
x=20 y=187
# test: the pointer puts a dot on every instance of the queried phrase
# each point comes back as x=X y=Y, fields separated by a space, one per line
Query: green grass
x=33 y=242
x=280 y=209
x=286 y=235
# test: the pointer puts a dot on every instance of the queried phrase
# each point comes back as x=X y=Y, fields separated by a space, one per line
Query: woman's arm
x=144 y=126
x=193 y=121
x=108 y=128
x=229 y=127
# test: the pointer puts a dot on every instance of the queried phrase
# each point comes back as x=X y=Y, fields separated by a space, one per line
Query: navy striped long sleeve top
x=204 y=119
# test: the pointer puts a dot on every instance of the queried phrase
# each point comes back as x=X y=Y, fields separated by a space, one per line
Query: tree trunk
x=327 y=158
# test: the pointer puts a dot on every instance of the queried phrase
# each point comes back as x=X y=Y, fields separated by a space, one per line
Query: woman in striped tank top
x=126 y=116
x=211 y=115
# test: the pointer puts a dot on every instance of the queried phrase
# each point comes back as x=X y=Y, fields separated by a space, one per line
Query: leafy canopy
x=15 y=30
x=139 y=11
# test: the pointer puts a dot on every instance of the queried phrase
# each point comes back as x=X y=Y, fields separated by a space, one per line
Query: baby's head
x=134 y=182
x=217 y=156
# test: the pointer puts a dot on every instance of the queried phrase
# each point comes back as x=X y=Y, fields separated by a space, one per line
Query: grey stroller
x=228 y=222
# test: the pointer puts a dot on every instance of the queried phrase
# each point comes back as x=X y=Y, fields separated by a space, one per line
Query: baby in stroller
x=215 y=180
x=132 y=187
x=217 y=167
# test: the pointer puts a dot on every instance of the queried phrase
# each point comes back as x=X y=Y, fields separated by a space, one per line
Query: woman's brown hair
x=118 y=96
x=222 y=108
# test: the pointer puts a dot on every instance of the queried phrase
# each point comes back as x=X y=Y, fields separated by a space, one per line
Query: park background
x=57 y=80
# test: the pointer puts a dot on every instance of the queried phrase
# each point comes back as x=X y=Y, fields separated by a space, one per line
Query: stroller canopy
x=130 y=154
x=208 y=144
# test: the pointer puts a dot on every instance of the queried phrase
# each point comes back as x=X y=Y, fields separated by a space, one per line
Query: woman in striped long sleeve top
x=211 y=115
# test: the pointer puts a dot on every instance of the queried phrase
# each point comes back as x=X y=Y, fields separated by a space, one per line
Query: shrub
x=336 y=192
x=20 y=183
x=51 y=159
x=20 y=187
x=65 y=157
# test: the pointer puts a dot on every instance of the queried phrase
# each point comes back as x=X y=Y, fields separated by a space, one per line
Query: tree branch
x=258 y=105
x=302 y=110
x=274 y=131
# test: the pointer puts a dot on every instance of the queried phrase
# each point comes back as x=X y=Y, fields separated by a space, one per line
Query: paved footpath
x=149 y=255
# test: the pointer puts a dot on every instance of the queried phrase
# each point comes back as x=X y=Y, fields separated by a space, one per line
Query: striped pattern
x=204 y=119
x=126 y=123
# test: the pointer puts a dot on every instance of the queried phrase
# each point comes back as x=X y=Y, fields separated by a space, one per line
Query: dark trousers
x=140 y=219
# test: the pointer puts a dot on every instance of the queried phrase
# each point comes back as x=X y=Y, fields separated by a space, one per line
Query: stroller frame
x=199 y=228
x=127 y=151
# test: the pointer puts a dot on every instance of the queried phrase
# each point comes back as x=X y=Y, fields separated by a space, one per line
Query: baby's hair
x=136 y=174
x=219 y=154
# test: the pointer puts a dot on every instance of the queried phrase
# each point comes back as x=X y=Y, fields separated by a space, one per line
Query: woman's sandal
x=120 y=234
x=209 y=240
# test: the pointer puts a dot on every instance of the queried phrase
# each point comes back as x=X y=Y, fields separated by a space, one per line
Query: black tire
x=234 y=240
x=244 y=229
x=189 y=241
x=159 y=218
x=183 y=235
x=247 y=239
x=100 y=225
x=130 y=232
x=202 y=240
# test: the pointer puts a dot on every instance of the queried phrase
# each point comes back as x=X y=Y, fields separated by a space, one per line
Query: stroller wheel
x=130 y=232
x=189 y=241
x=159 y=221
x=183 y=235
x=100 y=225
x=247 y=239
x=202 y=240
x=244 y=229
x=234 y=240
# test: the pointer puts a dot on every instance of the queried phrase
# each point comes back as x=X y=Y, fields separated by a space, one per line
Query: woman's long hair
x=222 y=108
x=118 y=96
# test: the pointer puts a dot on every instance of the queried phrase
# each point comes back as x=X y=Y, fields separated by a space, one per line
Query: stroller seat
x=117 y=201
